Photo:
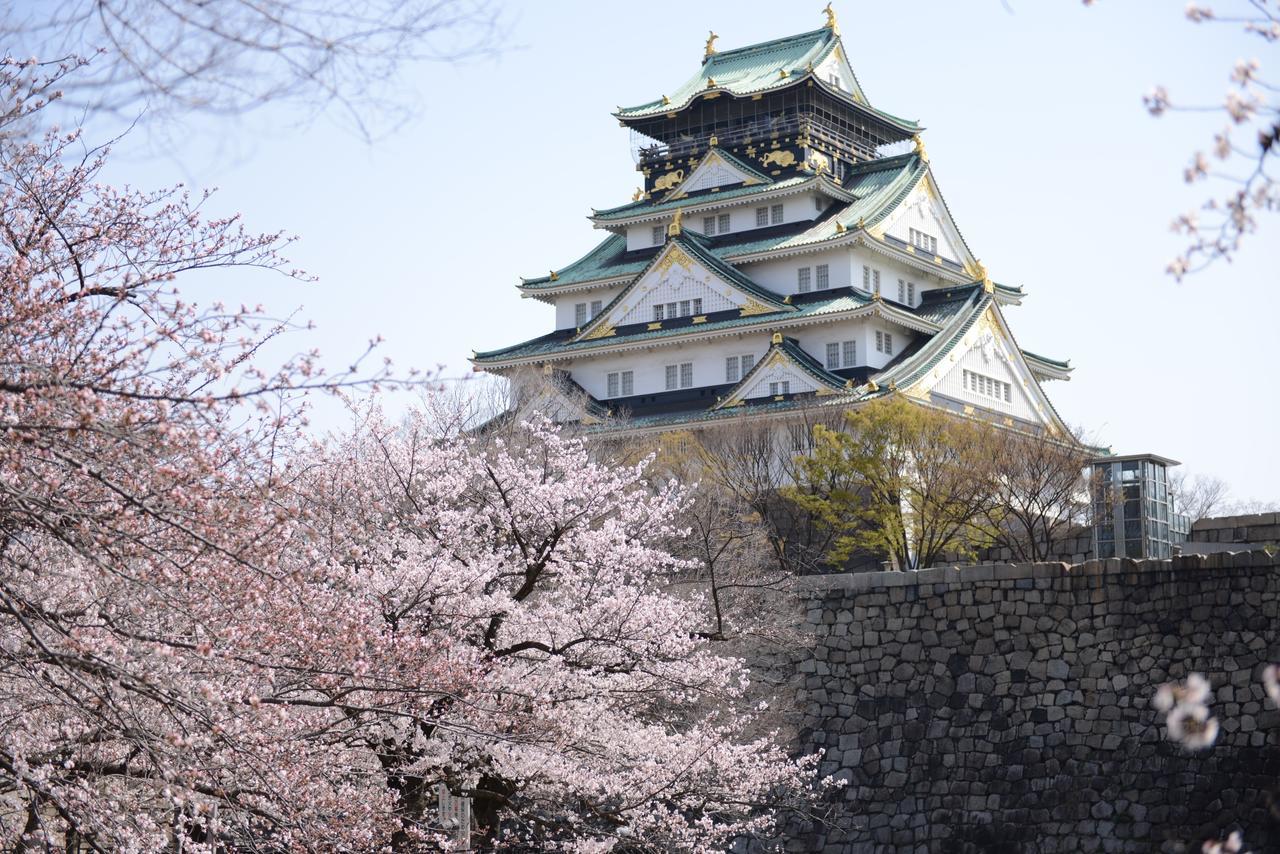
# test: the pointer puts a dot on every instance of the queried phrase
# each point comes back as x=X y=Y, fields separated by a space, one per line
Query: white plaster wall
x=890 y=272
x=780 y=275
x=796 y=208
x=649 y=366
x=565 y=305
x=779 y=372
x=641 y=236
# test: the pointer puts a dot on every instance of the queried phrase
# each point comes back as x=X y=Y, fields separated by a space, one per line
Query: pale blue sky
x=1058 y=178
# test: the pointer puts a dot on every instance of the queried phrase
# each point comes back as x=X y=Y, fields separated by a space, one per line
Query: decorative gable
x=785 y=370
x=718 y=169
x=986 y=370
x=836 y=72
x=693 y=285
x=923 y=222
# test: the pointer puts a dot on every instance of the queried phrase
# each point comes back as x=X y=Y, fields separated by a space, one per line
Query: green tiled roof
x=758 y=68
x=648 y=206
x=747 y=70
x=879 y=185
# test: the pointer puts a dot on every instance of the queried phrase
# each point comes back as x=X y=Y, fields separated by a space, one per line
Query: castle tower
x=789 y=248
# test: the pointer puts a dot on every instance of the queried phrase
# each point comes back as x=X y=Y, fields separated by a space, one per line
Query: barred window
x=748 y=362
x=723 y=223
x=596 y=306
x=614 y=387
x=686 y=375
x=833 y=356
x=731 y=369
x=628 y=383
x=762 y=216
x=802 y=279
x=775 y=214
x=823 y=275
x=708 y=225
x=684 y=308
x=659 y=234
x=657 y=312
x=672 y=377
x=580 y=314
x=850 y=353
x=697 y=305
x=927 y=242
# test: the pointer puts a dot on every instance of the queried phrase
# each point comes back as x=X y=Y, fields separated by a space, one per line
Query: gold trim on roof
x=831 y=19
x=711 y=44
x=754 y=307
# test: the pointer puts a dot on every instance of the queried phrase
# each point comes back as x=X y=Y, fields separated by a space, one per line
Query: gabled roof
x=787 y=351
x=715 y=156
x=692 y=246
x=768 y=66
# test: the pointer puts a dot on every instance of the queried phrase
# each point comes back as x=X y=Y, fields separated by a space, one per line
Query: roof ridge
x=766 y=45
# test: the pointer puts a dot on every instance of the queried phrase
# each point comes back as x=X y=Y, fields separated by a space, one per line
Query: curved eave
x=1046 y=368
x=573 y=349
x=657 y=109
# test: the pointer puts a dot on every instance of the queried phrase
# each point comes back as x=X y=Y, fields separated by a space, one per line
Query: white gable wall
x=924 y=212
x=985 y=350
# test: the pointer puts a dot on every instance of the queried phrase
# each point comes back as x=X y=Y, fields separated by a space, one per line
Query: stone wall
x=1007 y=708
x=1257 y=529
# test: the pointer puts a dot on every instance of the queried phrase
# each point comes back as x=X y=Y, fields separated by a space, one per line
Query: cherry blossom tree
x=598 y=715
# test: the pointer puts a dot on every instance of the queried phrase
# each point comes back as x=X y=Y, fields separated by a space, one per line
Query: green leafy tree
x=898 y=479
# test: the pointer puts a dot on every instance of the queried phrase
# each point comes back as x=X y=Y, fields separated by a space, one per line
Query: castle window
x=819 y=203
x=657 y=313
x=841 y=354
x=833 y=356
x=680 y=376
x=802 y=279
x=988 y=386
x=708 y=225
x=834 y=80
x=775 y=214
x=580 y=314
x=927 y=242
x=697 y=305
x=762 y=216
x=671 y=310
x=884 y=343
x=906 y=292
x=684 y=308
x=621 y=384
x=723 y=223
x=870 y=279
x=823 y=272
x=596 y=306
x=659 y=233
x=850 y=353
x=778 y=388
x=737 y=367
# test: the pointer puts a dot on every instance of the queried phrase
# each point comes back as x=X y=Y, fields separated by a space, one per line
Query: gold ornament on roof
x=665 y=100
x=783 y=74
x=777 y=338
x=673 y=230
x=638 y=195
x=711 y=43
x=711 y=83
x=831 y=19
x=554 y=276
x=840 y=227
x=919 y=148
